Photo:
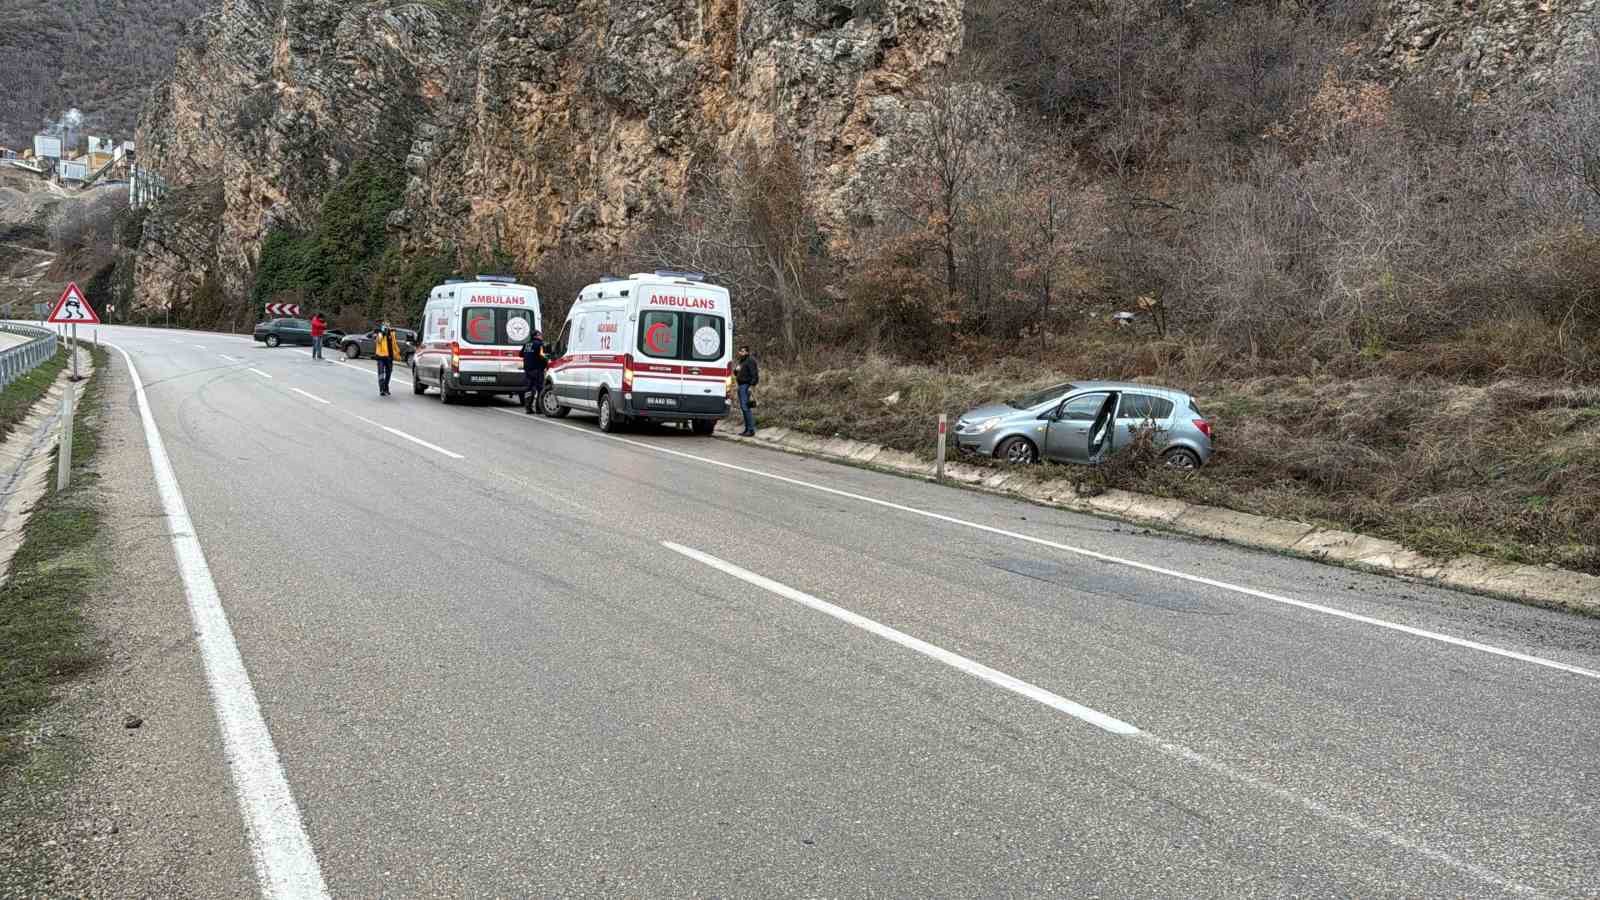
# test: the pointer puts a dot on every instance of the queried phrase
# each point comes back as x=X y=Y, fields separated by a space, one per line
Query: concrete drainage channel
x=27 y=467
x=1534 y=585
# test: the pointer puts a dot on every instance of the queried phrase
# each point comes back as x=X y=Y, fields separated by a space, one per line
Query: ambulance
x=649 y=347
x=471 y=337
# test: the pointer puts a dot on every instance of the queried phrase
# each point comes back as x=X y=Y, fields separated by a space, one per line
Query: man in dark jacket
x=747 y=376
x=533 y=363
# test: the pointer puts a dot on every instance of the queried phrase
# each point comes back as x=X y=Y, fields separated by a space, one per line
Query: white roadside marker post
x=943 y=427
x=64 y=458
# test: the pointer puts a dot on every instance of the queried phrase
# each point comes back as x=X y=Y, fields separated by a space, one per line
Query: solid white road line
x=1103 y=721
x=412 y=438
x=312 y=396
x=1091 y=554
x=285 y=864
x=261 y=373
x=954 y=660
x=1352 y=822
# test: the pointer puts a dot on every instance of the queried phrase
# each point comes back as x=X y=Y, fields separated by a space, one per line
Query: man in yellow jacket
x=386 y=350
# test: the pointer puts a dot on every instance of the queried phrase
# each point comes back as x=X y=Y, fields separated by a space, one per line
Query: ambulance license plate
x=661 y=401
x=483 y=379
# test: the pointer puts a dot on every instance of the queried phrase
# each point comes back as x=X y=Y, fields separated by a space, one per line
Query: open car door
x=1102 y=434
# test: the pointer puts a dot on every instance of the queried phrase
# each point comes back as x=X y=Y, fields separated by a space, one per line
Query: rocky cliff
x=521 y=125
x=268 y=103
x=1482 y=46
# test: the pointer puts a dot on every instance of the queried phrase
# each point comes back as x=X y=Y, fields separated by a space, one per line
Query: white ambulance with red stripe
x=651 y=347
x=471 y=337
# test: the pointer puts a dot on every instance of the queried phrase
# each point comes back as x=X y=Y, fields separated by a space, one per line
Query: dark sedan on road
x=284 y=331
x=356 y=346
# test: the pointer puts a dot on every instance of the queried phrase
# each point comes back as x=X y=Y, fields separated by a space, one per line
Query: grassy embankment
x=42 y=634
x=1484 y=462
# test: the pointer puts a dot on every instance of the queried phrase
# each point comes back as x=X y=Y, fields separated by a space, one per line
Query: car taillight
x=1204 y=426
x=627 y=374
x=455 y=357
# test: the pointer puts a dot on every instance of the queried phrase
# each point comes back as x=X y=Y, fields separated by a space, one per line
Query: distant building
x=73 y=170
x=47 y=146
x=7 y=153
x=100 y=144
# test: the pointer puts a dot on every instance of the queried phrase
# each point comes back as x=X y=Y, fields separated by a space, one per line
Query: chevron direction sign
x=283 y=309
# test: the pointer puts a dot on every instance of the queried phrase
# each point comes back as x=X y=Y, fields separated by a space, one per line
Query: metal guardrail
x=18 y=361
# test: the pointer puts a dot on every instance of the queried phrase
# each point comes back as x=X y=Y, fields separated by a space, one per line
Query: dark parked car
x=333 y=338
x=284 y=331
x=356 y=346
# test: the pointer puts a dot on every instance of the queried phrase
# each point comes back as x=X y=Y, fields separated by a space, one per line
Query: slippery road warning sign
x=73 y=309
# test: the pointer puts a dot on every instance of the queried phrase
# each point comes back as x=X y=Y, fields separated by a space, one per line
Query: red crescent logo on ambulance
x=650 y=337
x=472 y=329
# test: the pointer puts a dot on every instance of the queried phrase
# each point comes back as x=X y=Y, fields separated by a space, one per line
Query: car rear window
x=1144 y=406
x=682 y=335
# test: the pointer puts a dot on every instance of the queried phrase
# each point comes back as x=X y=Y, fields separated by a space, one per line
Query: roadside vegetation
x=18 y=398
x=1508 y=468
x=42 y=635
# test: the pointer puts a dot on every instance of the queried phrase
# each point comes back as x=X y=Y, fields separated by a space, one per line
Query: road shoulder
x=101 y=808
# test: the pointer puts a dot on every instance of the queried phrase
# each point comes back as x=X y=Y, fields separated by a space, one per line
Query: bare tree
x=748 y=223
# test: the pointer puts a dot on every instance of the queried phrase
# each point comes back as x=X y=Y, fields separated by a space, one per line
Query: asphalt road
x=505 y=656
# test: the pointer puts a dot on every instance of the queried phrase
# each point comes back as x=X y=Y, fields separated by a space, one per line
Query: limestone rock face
x=1483 y=46
x=519 y=125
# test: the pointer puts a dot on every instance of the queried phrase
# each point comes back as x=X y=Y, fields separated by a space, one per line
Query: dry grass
x=1501 y=465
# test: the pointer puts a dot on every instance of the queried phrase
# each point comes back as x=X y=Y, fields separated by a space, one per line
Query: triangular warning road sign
x=73 y=309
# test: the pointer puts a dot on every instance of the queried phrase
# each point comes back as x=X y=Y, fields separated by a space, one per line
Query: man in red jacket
x=318 y=329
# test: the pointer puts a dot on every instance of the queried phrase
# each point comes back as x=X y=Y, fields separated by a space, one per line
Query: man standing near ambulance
x=533 y=365
x=385 y=350
x=747 y=376
x=319 y=327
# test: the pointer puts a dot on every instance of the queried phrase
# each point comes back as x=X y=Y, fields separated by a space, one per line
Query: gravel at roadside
x=125 y=792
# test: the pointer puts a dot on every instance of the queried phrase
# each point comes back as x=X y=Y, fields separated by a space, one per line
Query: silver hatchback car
x=1087 y=421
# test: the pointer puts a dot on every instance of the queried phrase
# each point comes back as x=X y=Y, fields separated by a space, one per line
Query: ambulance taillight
x=627 y=375
x=455 y=358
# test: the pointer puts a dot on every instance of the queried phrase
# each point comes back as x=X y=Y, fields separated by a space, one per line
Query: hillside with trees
x=1365 y=233
x=100 y=56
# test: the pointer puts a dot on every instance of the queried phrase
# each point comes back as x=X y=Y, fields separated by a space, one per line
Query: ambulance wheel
x=446 y=395
x=610 y=422
x=550 y=405
x=704 y=427
x=417 y=387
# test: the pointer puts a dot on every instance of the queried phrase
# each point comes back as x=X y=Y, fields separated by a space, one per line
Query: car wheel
x=1180 y=458
x=417 y=387
x=272 y=340
x=609 y=420
x=1017 y=451
x=704 y=427
x=352 y=351
x=446 y=395
x=550 y=404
